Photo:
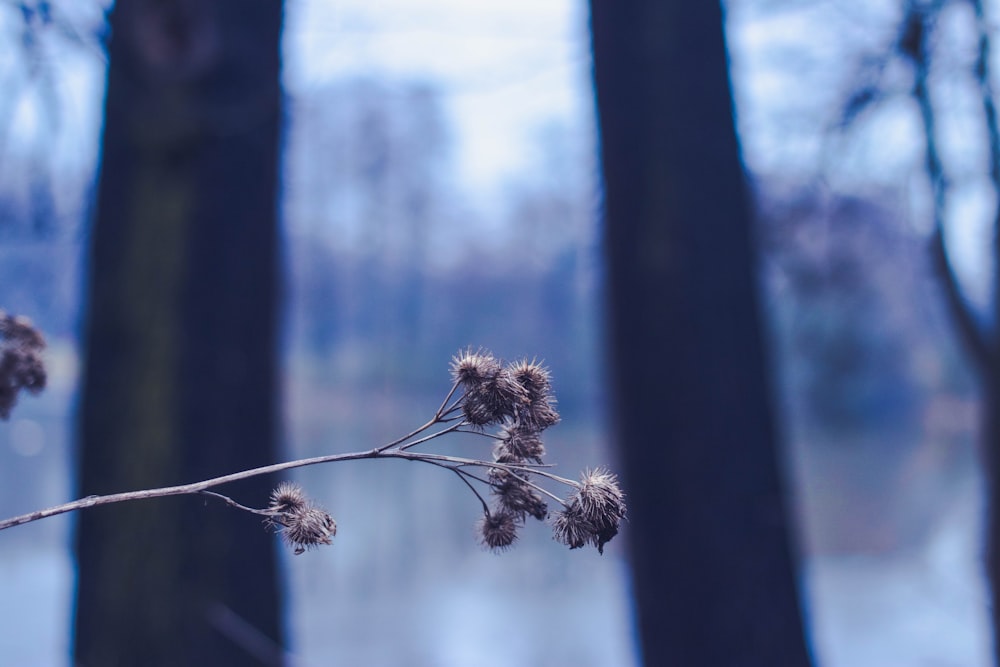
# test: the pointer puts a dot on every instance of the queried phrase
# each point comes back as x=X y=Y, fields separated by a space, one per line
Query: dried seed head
x=498 y=530
x=21 y=366
x=538 y=412
x=521 y=500
x=303 y=525
x=493 y=400
x=309 y=528
x=517 y=497
x=472 y=368
x=288 y=497
x=603 y=535
x=534 y=377
x=570 y=528
x=518 y=444
x=598 y=506
x=601 y=498
x=539 y=415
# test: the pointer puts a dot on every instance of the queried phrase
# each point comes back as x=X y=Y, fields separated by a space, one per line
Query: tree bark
x=713 y=564
x=180 y=377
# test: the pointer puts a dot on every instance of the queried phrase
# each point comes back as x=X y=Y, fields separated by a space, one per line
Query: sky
x=505 y=67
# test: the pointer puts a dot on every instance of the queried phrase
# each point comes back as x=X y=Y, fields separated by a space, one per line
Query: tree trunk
x=715 y=573
x=181 y=343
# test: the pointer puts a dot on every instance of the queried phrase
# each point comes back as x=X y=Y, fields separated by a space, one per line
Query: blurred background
x=440 y=188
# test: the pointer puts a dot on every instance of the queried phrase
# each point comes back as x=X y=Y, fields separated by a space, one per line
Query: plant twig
x=492 y=394
x=180 y=490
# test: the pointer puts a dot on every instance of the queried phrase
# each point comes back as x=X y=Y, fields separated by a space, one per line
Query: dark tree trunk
x=715 y=575
x=180 y=379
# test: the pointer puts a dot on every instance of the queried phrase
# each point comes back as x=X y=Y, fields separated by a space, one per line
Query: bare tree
x=714 y=568
x=181 y=337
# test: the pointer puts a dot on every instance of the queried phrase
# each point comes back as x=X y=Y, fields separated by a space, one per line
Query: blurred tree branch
x=982 y=343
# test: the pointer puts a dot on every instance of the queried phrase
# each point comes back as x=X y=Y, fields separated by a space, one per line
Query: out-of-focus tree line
x=386 y=260
x=390 y=265
x=391 y=271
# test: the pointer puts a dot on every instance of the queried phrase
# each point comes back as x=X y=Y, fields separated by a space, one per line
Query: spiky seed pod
x=534 y=377
x=539 y=411
x=600 y=503
x=603 y=535
x=601 y=498
x=539 y=415
x=516 y=496
x=472 y=368
x=302 y=524
x=498 y=529
x=288 y=497
x=521 y=499
x=501 y=454
x=519 y=444
x=476 y=409
x=309 y=528
x=569 y=527
x=493 y=400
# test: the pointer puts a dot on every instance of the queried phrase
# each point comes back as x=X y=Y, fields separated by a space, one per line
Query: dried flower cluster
x=301 y=523
x=21 y=366
x=593 y=512
x=518 y=398
x=515 y=398
x=518 y=395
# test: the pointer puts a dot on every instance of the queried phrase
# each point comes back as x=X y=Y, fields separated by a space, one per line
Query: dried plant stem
x=183 y=489
x=516 y=397
x=463 y=475
x=523 y=480
x=385 y=451
x=393 y=450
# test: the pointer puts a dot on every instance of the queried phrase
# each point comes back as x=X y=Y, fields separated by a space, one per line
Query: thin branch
x=305 y=525
x=399 y=441
x=983 y=78
x=180 y=490
x=457 y=404
x=203 y=486
x=462 y=476
x=442 y=411
x=969 y=329
x=438 y=434
x=540 y=489
x=232 y=503
x=511 y=467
